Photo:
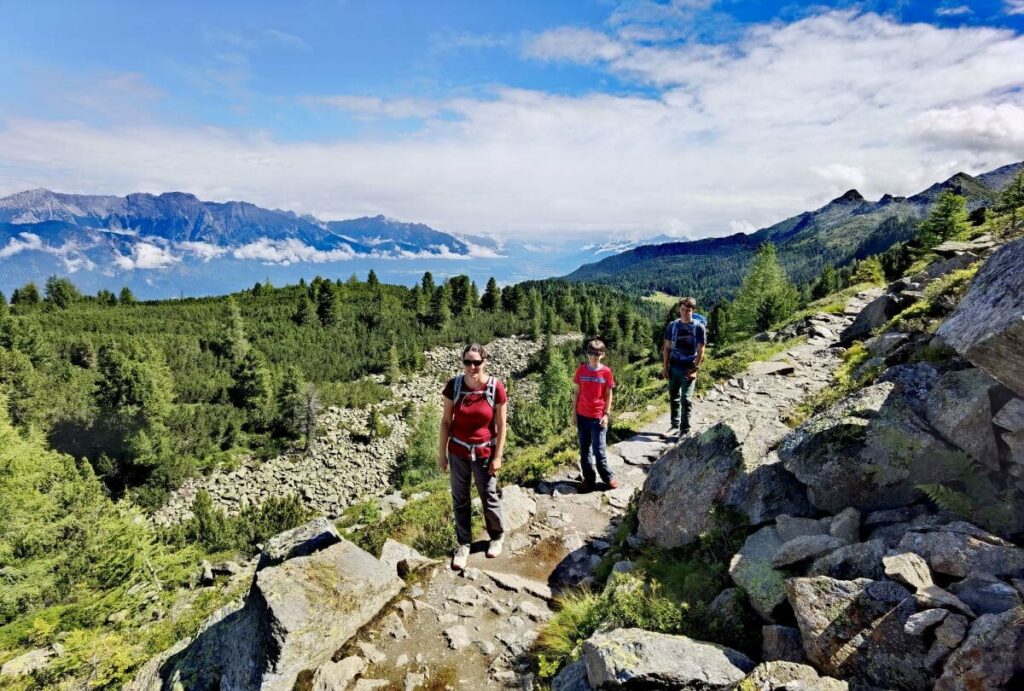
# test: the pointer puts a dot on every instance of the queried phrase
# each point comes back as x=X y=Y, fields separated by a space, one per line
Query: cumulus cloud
x=70 y=253
x=145 y=255
x=290 y=251
x=781 y=120
x=1014 y=6
x=374 y=107
x=22 y=243
x=203 y=250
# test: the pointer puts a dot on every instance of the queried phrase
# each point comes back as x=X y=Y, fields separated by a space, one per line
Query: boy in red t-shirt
x=591 y=407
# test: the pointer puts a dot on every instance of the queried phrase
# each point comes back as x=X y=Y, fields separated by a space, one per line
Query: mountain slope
x=846 y=228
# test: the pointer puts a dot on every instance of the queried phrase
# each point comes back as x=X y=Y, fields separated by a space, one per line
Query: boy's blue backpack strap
x=700 y=318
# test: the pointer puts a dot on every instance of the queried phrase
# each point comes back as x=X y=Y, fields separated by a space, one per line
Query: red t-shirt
x=473 y=422
x=593 y=383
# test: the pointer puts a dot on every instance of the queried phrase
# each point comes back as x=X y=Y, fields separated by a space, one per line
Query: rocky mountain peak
x=848 y=197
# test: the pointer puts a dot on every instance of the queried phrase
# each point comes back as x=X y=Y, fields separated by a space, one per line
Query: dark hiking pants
x=460 y=471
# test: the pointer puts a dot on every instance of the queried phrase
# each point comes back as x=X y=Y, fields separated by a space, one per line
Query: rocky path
x=472 y=630
x=343 y=466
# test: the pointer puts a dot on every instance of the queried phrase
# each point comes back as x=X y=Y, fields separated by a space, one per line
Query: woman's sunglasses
x=472 y=363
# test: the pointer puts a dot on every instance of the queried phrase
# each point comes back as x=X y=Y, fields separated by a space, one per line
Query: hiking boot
x=613 y=484
x=460 y=558
x=494 y=548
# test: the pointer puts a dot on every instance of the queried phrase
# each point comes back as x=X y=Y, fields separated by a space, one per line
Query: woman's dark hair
x=475 y=348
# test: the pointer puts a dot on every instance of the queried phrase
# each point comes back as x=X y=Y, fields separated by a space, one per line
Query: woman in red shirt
x=472 y=442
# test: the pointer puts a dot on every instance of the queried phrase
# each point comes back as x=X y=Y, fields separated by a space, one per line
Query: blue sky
x=525 y=119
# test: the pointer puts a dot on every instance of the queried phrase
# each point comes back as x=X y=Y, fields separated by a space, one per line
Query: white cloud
x=957 y=11
x=783 y=120
x=27 y=241
x=373 y=107
x=204 y=250
x=741 y=227
x=290 y=251
x=1014 y=6
x=145 y=255
x=992 y=127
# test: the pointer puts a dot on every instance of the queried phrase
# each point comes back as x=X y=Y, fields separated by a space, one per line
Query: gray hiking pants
x=460 y=470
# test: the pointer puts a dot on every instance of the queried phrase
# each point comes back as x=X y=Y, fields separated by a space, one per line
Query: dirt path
x=472 y=630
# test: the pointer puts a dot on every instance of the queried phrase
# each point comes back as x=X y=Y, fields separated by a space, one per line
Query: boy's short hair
x=687 y=302
x=595 y=344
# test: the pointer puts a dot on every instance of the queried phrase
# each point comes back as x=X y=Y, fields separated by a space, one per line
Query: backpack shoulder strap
x=457 y=389
x=492 y=385
x=675 y=331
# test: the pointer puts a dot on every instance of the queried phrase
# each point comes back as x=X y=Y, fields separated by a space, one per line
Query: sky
x=527 y=120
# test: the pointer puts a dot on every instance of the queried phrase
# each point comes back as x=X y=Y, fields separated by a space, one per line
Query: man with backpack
x=682 y=352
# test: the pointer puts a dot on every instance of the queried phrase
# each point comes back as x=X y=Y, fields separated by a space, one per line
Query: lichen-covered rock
x=846 y=525
x=790 y=527
x=791 y=676
x=727 y=460
x=635 y=658
x=517 y=505
x=336 y=676
x=907 y=568
x=402 y=558
x=855 y=630
x=917 y=624
x=875 y=313
x=988 y=326
x=959 y=408
x=961 y=549
x=870 y=451
x=805 y=547
x=992 y=656
x=298 y=542
x=751 y=569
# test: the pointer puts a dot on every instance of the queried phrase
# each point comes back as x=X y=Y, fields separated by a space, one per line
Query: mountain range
x=847 y=228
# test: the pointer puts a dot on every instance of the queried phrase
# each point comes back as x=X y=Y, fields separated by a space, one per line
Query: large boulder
x=986 y=595
x=726 y=464
x=875 y=313
x=856 y=630
x=870 y=451
x=298 y=542
x=751 y=569
x=296 y=616
x=960 y=408
x=960 y=549
x=791 y=676
x=988 y=326
x=634 y=658
x=991 y=658
x=859 y=560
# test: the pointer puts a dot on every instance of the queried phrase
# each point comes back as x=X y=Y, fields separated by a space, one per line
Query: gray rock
x=960 y=549
x=870 y=451
x=308 y=538
x=1011 y=416
x=881 y=345
x=781 y=643
x=413 y=681
x=986 y=595
x=909 y=569
x=934 y=596
x=859 y=560
x=947 y=266
x=371 y=652
x=777 y=367
x=875 y=519
x=336 y=676
x=402 y=558
x=776 y=675
x=644 y=659
x=952 y=631
x=721 y=462
x=803 y=548
x=855 y=630
x=517 y=505
x=205 y=572
x=959 y=408
x=751 y=569
x=727 y=607
x=457 y=637
x=393 y=627
x=992 y=656
x=572 y=678
x=875 y=313
x=915 y=382
x=846 y=525
x=917 y=624
x=519 y=584
x=296 y=615
x=790 y=527
x=26 y=663
x=988 y=326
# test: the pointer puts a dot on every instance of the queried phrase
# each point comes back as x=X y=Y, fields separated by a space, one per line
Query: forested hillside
x=847 y=228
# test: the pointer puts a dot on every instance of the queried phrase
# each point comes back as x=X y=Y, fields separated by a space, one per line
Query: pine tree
x=869 y=271
x=106 y=298
x=309 y=400
x=427 y=283
x=27 y=295
x=765 y=279
x=252 y=388
x=372 y=280
x=61 y=292
x=510 y=299
x=491 y=299
x=126 y=297
x=1012 y=198
x=608 y=329
x=947 y=219
x=326 y=303
x=394 y=366
x=305 y=314
x=135 y=388
x=236 y=344
x=288 y=402
x=827 y=283
x=459 y=290
x=6 y=324
x=440 y=308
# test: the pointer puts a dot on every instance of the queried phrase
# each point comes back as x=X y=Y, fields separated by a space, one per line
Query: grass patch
x=663 y=299
x=724 y=364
